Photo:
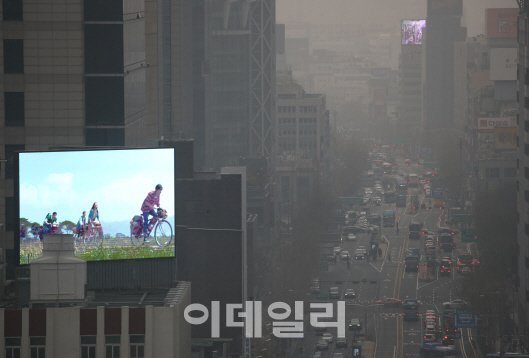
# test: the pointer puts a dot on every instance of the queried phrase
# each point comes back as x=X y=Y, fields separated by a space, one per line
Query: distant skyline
x=386 y=13
x=70 y=182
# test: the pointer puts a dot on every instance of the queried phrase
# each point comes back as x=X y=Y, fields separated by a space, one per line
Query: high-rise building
x=73 y=74
x=443 y=29
x=240 y=80
x=522 y=303
x=410 y=90
x=303 y=141
x=169 y=51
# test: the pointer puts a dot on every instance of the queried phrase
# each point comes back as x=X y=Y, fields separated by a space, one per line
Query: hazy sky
x=69 y=182
x=376 y=12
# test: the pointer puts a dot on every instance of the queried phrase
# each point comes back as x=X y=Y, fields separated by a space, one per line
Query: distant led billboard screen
x=101 y=197
x=412 y=32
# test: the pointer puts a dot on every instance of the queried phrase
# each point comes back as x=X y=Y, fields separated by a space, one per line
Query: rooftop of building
x=114 y=298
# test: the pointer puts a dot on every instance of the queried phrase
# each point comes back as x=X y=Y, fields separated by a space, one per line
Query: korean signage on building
x=489 y=124
x=505 y=138
x=503 y=64
x=501 y=23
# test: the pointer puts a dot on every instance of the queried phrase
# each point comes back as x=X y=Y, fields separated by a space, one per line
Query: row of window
x=292 y=109
x=292 y=146
x=301 y=132
x=94 y=10
x=88 y=347
x=103 y=50
x=494 y=173
x=300 y=120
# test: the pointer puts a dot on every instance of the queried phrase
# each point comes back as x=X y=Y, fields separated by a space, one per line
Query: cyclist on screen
x=49 y=222
x=81 y=224
x=93 y=215
x=147 y=208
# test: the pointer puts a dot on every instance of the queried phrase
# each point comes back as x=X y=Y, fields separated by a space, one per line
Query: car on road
x=315 y=287
x=429 y=338
x=411 y=315
x=464 y=260
x=351 y=237
x=328 y=337
x=336 y=250
x=322 y=344
x=349 y=294
x=338 y=355
x=414 y=251
x=410 y=303
x=317 y=354
x=464 y=270
x=444 y=269
x=334 y=292
x=344 y=255
x=389 y=301
x=360 y=253
x=341 y=342
x=355 y=325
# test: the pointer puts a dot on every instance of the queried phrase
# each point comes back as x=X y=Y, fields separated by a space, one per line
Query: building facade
x=73 y=74
x=240 y=80
x=113 y=325
x=303 y=141
x=443 y=29
x=522 y=289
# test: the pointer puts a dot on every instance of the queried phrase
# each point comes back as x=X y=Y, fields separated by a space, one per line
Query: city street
x=384 y=331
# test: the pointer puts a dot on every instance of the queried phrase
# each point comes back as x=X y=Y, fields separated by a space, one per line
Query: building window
x=105 y=137
x=12 y=10
x=492 y=172
x=88 y=346
x=112 y=344
x=509 y=172
x=13 y=56
x=103 y=48
x=37 y=347
x=137 y=346
x=105 y=101
x=103 y=10
x=14 y=109
x=12 y=345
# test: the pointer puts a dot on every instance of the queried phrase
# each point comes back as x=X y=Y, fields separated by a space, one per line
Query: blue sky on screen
x=118 y=180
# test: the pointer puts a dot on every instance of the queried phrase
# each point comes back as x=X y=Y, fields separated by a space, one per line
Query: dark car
x=410 y=303
x=414 y=251
x=445 y=268
x=411 y=315
x=349 y=294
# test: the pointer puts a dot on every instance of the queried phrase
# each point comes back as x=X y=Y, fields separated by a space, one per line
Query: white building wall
x=63 y=332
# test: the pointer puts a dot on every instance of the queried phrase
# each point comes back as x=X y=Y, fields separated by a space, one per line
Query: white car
x=328 y=337
x=351 y=237
x=344 y=255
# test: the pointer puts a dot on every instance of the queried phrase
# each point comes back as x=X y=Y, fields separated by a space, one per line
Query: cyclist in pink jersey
x=147 y=208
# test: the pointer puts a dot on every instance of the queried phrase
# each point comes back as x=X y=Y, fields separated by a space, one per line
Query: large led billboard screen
x=102 y=198
x=412 y=32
